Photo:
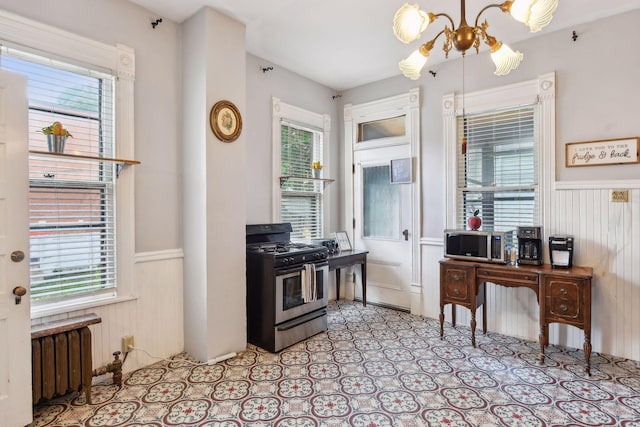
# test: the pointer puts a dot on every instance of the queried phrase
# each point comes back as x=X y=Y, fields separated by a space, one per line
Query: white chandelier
x=409 y=22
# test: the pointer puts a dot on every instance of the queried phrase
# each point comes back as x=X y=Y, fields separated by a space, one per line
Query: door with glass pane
x=382 y=225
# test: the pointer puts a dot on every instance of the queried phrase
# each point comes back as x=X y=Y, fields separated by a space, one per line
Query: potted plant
x=316 y=169
x=56 y=136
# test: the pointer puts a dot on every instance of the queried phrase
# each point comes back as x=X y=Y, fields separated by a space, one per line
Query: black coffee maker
x=561 y=251
x=530 y=245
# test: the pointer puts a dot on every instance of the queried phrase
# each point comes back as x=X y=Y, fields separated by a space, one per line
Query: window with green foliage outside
x=71 y=201
x=301 y=194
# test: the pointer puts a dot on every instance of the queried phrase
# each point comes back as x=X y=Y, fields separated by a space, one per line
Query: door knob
x=405 y=233
x=17 y=256
x=19 y=292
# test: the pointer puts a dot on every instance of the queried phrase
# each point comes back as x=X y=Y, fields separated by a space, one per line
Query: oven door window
x=292 y=290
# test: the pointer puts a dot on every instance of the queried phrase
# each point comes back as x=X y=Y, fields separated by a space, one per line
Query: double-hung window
x=497 y=168
x=71 y=199
x=301 y=201
x=299 y=160
x=500 y=154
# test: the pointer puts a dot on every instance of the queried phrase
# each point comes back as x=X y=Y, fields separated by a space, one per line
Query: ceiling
x=347 y=43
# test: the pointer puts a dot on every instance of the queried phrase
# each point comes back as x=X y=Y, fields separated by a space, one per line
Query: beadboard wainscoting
x=606 y=238
x=154 y=316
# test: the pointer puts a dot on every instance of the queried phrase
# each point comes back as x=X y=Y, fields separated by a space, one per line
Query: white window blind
x=301 y=196
x=498 y=173
x=71 y=201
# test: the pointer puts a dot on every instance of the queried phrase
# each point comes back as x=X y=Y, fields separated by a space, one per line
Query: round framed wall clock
x=225 y=120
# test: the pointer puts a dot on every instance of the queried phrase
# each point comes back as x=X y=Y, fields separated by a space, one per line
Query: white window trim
x=282 y=111
x=540 y=91
x=121 y=60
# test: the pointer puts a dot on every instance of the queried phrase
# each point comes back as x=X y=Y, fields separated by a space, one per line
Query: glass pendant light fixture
x=410 y=22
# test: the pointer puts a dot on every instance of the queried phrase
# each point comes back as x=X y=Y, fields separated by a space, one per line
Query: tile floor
x=373 y=367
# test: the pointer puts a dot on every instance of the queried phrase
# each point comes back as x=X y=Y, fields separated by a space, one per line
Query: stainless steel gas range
x=286 y=287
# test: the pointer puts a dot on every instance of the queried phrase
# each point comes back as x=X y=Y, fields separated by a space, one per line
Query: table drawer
x=457 y=283
x=564 y=298
x=514 y=276
x=564 y=309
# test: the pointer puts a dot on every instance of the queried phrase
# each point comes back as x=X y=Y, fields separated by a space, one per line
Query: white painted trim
x=416 y=288
x=51 y=310
x=597 y=185
x=154 y=256
x=540 y=91
x=432 y=241
x=408 y=104
x=54 y=41
x=283 y=111
x=120 y=60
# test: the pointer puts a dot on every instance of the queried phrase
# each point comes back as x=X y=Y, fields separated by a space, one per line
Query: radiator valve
x=114 y=367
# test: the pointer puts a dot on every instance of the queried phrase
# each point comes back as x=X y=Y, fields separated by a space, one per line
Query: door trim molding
x=409 y=103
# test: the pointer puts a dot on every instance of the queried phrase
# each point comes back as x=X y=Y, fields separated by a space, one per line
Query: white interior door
x=15 y=343
x=383 y=225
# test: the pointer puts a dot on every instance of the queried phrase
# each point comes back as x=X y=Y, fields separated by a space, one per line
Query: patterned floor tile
x=373 y=367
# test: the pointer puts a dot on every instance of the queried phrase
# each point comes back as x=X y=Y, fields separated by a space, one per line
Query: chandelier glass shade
x=410 y=22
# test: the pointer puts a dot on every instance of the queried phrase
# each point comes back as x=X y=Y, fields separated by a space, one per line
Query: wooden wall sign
x=605 y=152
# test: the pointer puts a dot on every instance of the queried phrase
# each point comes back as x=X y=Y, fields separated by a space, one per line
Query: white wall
x=157 y=101
x=214 y=188
x=597 y=95
x=294 y=90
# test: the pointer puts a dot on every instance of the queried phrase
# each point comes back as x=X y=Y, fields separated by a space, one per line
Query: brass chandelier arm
x=505 y=7
x=434 y=16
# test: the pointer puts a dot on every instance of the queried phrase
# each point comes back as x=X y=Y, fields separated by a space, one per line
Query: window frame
x=540 y=91
x=118 y=60
x=282 y=111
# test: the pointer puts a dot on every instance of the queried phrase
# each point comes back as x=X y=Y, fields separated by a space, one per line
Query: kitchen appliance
x=485 y=246
x=331 y=244
x=561 y=251
x=287 y=287
x=529 y=245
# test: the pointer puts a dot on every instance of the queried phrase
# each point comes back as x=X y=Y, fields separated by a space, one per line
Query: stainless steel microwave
x=485 y=246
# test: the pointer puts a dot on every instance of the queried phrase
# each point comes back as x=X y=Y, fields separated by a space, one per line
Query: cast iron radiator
x=61 y=357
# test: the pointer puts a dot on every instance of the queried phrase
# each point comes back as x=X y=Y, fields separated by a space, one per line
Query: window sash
x=301 y=200
x=71 y=201
x=497 y=169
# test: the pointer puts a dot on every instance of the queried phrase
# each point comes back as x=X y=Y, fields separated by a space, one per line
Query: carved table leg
x=543 y=341
x=473 y=327
x=587 y=350
x=441 y=321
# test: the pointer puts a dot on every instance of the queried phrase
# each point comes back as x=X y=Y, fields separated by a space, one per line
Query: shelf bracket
x=119 y=167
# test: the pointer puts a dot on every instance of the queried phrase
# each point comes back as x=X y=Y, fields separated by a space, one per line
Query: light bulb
x=409 y=22
x=535 y=14
x=412 y=66
x=505 y=58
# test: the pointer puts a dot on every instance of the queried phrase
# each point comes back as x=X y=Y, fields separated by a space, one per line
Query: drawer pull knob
x=563 y=307
x=456 y=277
x=456 y=291
x=563 y=291
x=527 y=278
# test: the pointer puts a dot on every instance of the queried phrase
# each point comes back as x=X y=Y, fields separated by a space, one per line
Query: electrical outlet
x=619 y=195
x=127 y=341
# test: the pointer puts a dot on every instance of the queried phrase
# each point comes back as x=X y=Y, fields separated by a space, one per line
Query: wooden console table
x=346 y=259
x=564 y=295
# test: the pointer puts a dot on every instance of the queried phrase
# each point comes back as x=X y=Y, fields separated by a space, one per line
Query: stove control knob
x=291 y=259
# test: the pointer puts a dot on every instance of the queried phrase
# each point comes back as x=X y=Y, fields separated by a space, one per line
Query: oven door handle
x=297 y=269
x=304 y=319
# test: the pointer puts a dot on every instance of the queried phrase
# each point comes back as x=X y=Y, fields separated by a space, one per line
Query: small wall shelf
x=286 y=178
x=120 y=163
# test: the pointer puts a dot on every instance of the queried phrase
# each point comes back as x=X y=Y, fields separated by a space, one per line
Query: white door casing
x=359 y=155
x=15 y=348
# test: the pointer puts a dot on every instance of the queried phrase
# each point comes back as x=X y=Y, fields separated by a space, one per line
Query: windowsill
x=51 y=309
